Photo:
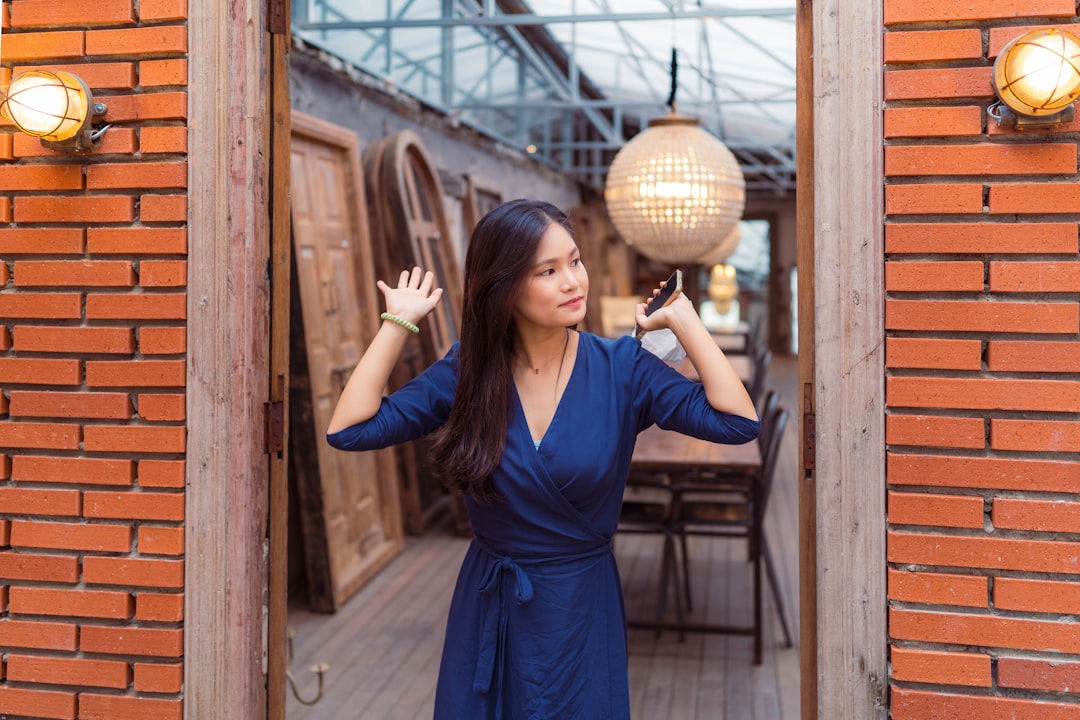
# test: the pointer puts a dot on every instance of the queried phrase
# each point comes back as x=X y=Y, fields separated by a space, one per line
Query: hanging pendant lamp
x=674 y=191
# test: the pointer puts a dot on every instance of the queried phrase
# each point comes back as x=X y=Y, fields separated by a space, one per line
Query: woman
x=535 y=423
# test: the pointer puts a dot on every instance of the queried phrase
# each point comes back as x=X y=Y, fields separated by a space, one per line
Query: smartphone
x=669 y=292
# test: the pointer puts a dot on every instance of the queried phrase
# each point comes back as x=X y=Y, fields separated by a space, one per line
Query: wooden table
x=742 y=364
x=678 y=456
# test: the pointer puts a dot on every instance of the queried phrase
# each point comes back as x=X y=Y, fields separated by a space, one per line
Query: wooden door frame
x=232 y=615
x=841 y=224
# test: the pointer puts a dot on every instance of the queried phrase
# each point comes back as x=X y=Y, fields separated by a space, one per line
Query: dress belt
x=489 y=665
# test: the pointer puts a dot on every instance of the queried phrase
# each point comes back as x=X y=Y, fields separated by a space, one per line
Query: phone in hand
x=669 y=292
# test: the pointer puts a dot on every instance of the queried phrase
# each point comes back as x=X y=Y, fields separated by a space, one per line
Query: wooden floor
x=383 y=646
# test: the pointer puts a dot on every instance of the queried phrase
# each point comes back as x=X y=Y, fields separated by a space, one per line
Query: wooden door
x=349 y=500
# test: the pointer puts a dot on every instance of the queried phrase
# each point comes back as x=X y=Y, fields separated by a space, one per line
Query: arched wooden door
x=349 y=501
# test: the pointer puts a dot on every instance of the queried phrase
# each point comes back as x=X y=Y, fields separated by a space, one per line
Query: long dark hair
x=469 y=446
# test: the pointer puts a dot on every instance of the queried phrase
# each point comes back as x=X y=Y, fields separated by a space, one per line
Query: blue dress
x=537 y=626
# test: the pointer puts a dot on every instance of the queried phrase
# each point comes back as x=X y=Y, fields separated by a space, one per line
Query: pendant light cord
x=674 y=79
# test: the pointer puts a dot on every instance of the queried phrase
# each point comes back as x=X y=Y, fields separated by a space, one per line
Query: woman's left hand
x=674 y=314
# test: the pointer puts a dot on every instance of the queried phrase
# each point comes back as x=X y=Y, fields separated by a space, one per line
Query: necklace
x=562 y=358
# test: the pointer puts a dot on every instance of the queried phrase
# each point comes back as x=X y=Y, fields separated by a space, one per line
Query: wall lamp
x=1037 y=79
x=56 y=107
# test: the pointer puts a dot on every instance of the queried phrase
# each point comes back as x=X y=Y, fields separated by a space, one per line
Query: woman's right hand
x=414 y=297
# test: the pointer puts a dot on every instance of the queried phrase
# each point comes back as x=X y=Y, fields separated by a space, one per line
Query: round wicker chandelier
x=674 y=191
x=724 y=250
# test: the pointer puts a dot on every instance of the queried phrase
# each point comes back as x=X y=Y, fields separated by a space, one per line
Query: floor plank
x=384 y=644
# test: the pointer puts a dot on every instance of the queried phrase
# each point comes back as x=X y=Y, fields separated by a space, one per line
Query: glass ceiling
x=569 y=81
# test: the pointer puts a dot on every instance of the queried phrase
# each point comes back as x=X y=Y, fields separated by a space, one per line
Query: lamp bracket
x=1008 y=118
x=84 y=141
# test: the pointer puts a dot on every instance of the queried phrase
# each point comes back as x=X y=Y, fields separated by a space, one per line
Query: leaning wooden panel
x=357 y=506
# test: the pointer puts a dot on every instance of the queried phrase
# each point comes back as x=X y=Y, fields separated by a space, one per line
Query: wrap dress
x=537 y=626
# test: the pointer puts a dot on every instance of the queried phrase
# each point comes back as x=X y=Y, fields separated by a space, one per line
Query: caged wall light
x=1037 y=79
x=56 y=107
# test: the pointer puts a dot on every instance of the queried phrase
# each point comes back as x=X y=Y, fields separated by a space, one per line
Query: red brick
x=162 y=407
x=5 y=338
x=7 y=152
x=1028 y=674
x=74 y=603
x=983 y=159
x=925 y=11
x=1047 y=556
x=156 y=40
x=940 y=668
x=155 y=572
x=141 y=175
x=1026 y=198
x=933 y=353
x=1037 y=515
x=1041 y=277
x=935 y=122
x=48 y=436
x=132 y=241
x=984 y=473
x=41 y=177
x=154 y=540
x=35 y=501
x=37 y=371
x=939 y=276
x=37 y=703
x=118 y=141
x=1034 y=435
x=163 y=273
x=162 y=473
x=1002 y=36
x=84 y=471
x=134 y=438
x=155 y=73
x=148 y=106
x=68 y=340
x=72 y=536
x=106 y=406
x=149 y=642
x=978 y=316
x=939 y=83
x=98 y=76
x=42 y=46
x=117 y=707
x=98 y=273
x=41 y=568
x=922 y=705
x=5 y=473
x=157 y=306
x=983 y=630
x=935 y=510
x=89 y=209
x=5 y=210
x=162 y=341
x=171 y=139
x=50 y=306
x=934 y=431
x=981 y=238
x=57 y=13
x=133 y=505
x=135 y=373
x=932 y=45
x=983 y=394
x=163 y=208
x=150 y=10
x=51 y=241
x=1037 y=596
x=939 y=588
x=69 y=671
x=159 y=677
x=160 y=607
x=1033 y=356
x=933 y=199
x=44 y=635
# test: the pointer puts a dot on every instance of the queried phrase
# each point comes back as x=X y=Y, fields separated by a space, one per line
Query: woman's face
x=554 y=294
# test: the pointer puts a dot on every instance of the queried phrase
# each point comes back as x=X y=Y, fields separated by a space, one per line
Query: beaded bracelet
x=400 y=321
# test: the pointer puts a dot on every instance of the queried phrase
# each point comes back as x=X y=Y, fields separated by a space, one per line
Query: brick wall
x=982 y=276
x=92 y=371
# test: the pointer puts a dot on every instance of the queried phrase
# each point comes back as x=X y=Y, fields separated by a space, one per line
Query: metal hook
x=318 y=668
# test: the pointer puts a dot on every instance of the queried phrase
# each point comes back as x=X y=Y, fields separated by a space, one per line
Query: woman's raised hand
x=414 y=297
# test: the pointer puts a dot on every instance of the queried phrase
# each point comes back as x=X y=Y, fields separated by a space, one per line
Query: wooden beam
x=225 y=653
x=848 y=378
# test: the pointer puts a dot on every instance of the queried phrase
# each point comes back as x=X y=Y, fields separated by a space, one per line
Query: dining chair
x=647 y=508
x=733 y=506
x=762 y=360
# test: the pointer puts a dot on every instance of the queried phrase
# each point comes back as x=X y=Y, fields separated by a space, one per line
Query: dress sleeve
x=662 y=395
x=414 y=410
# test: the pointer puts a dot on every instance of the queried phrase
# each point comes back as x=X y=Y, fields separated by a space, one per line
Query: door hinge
x=809 y=440
x=277 y=17
x=275 y=427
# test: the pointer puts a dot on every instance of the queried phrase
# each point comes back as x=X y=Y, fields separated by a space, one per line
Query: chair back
x=773 y=430
x=762 y=360
x=772 y=400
